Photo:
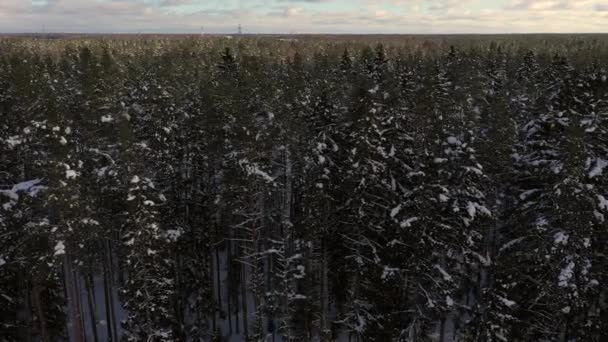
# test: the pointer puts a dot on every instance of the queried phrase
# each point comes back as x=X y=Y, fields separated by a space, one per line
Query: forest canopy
x=381 y=188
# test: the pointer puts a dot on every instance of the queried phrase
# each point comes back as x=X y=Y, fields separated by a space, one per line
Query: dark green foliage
x=193 y=190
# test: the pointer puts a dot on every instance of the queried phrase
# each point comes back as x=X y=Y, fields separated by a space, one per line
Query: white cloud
x=311 y=16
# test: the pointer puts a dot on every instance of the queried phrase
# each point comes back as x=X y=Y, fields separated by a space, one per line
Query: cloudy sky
x=304 y=16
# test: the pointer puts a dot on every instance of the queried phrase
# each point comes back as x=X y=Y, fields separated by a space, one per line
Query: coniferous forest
x=316 y=189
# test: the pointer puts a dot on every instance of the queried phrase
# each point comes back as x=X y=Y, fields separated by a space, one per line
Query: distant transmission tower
x=240 y=31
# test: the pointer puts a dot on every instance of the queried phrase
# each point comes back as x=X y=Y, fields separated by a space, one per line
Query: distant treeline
x=429 y=188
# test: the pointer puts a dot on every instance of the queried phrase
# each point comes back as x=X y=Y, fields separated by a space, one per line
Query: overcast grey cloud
x=601 y=7
x=304 y=16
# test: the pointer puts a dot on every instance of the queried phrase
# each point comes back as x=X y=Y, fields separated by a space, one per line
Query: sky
x=304 y=16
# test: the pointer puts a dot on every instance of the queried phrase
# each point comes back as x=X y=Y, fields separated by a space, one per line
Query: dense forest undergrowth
x=253 y=189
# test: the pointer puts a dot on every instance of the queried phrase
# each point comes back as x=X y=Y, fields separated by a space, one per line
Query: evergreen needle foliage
x=315 y=189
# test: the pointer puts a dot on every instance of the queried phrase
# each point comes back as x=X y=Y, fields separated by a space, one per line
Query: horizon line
x=298 y=33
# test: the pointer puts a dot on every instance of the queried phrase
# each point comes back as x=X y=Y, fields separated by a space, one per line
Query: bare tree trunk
x=108 y=298
x=218 y=274
x=289 y=247
x=110 y=289
x=256 y=280
x=288 y=195
x=211 y=281
x=441 y=330
x=244 y=300
x=78 y=305
x=322 y=293
x=38 y=307
x=92 y=307
x=236 y=276
x=28 y=309
x=270 y=288
x=74 y=312
x=229 y=282
x=111 y=293
x=178 y=298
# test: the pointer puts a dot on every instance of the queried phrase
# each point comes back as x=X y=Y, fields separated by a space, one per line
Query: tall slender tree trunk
x=178 y=296
x=323 y=302
x=39 y=309
x=78 y=305
x=211 y=281
x=107 y=301
x=218 y=275
x=229 y=283
x=108 y=296
x=74 y=312
x=237 y=275
x=111 y=288
x=258 y=283
x=442 y=330
x=92 y=307
x=244 y=300
x=289 y=239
